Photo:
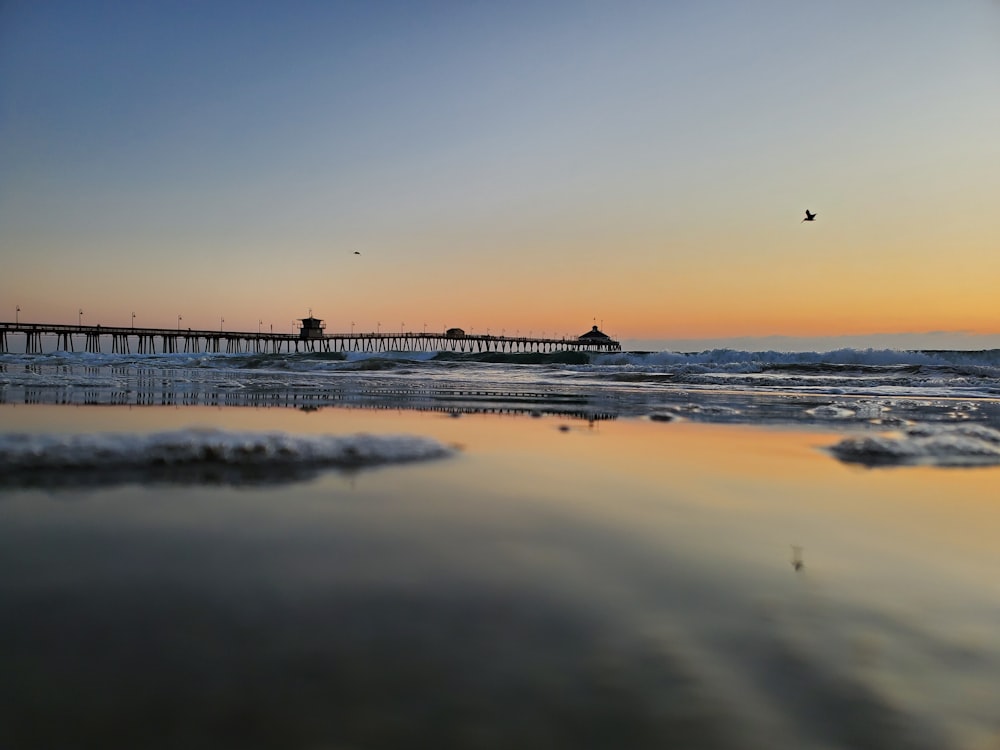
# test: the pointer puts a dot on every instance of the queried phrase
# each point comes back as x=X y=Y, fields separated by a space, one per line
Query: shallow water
x=554 y=582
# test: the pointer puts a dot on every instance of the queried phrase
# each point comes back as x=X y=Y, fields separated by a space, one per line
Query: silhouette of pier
x=128 y=340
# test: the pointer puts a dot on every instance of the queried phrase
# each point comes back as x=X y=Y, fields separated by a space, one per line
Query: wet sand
x=555 y=583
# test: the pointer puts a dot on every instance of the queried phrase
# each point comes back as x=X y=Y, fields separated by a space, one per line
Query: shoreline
x=549 y=576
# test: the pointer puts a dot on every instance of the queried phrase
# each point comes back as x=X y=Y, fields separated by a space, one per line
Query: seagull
x=809 y=216
x=797 y=562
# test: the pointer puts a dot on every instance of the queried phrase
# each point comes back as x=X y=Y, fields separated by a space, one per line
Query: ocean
x=722 y=549
x=938 y=398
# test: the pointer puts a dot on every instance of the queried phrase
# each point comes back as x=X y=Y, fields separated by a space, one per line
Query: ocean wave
x=373 y=364
x=617 y=382
x=847 y=370
x=902 y=362
x=837 y=357
x=940 y=445
x=516 y=358
x=198 y=455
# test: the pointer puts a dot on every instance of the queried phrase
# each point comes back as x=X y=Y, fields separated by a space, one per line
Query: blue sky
x=521 y=165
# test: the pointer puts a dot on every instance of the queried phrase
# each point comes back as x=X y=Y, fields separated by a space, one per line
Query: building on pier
x=312 y=328
x=311 y=337
x=594 y=336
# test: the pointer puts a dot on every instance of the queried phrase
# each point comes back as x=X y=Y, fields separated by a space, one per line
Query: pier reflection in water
x=131 y=386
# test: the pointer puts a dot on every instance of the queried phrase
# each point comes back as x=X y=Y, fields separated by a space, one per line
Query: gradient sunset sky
x=511 y=166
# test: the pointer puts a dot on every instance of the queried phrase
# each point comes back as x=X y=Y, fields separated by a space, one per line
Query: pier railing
x=126 y=340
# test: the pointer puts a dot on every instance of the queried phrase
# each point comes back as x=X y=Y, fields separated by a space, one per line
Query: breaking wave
x=776 y=359
x=938 y=445
x=198 y=455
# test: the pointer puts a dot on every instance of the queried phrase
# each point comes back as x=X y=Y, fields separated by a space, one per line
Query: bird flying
x=797 y=558
x=809 y=216
x=357 y=253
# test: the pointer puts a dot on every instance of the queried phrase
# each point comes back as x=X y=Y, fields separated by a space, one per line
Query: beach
x=499 y=376
x=547 y=581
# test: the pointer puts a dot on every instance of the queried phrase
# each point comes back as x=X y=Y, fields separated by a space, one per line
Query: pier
x=128 y=340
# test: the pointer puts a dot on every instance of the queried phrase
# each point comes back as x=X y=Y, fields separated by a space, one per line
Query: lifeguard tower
x=312 y=328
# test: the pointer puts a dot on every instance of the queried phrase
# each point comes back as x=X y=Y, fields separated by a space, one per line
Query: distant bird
x=357 y=253
x=797 y=562
x=809 y=216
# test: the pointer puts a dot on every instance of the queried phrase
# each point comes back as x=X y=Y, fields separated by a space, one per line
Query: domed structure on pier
x=594 y=335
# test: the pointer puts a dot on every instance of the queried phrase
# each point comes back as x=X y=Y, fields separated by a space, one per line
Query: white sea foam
x=942 y=445
x=21 y=453
x=831 y=411
x=868 y=409
x=718 y=410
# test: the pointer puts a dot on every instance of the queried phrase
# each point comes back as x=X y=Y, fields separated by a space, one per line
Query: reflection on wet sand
x=621 y=584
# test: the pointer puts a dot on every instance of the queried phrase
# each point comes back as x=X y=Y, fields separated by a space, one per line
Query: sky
x=508 y=167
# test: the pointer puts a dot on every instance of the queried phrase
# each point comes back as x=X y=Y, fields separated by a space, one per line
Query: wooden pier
x=126 y=340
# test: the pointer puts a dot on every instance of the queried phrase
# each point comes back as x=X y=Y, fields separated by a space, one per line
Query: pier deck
x=126 y=340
